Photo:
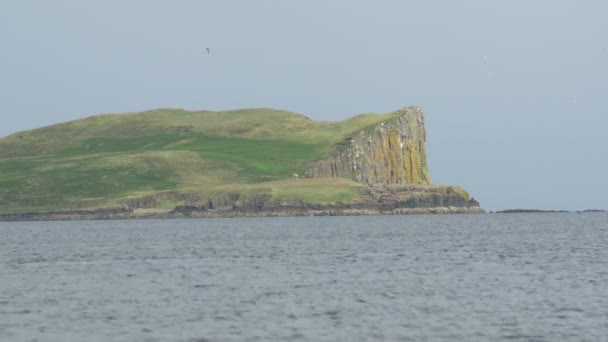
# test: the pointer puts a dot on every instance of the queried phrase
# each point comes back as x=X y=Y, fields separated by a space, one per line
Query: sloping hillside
x=174 y=156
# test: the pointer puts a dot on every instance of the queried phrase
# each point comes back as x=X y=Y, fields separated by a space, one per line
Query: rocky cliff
x=390 y=152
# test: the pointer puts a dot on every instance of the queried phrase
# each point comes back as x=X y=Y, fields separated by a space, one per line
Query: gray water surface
x=526 y=277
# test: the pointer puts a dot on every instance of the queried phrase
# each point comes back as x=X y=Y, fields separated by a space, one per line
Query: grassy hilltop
x=107 y=160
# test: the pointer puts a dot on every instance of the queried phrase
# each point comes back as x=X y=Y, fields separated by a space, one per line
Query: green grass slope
x=105 y=160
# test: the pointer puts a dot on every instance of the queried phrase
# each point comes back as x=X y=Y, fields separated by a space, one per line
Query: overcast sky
x=514 y=91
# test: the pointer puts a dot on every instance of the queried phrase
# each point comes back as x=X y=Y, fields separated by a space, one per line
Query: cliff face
x=391 y=152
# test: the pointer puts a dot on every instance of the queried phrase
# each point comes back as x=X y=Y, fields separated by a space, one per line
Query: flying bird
x=208 y=50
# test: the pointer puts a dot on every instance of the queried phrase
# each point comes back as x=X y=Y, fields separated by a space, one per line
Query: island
x=174 y=163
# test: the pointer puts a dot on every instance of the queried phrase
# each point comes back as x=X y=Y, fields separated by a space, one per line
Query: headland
x=172 y=163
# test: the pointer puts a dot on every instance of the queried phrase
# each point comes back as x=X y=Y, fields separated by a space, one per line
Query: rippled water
x=527 y=277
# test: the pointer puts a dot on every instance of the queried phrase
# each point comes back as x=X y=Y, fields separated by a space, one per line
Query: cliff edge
x=389 y=152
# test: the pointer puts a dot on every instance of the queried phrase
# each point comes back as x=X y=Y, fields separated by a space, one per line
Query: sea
x=493 y=277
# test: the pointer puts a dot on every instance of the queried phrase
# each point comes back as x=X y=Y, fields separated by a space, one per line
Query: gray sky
x=514 y=91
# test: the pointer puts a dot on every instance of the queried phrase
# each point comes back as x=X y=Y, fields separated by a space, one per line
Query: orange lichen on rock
x=391 y=152
x=395 y=154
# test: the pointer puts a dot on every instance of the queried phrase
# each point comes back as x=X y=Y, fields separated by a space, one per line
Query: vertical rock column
x=391 y=152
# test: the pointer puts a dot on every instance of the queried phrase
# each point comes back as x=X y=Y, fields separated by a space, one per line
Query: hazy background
x=514 y=91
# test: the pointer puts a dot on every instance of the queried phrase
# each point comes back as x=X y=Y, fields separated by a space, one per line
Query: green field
x=105 y=160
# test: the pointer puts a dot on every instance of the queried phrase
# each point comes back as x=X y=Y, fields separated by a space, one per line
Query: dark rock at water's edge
x=528 y=211
x=379 y=199
x=69 y=215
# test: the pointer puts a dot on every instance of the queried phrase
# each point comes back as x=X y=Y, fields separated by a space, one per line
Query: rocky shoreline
x=380 y=199
x=124 y=214
x=527 y=211
x=538 y=211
